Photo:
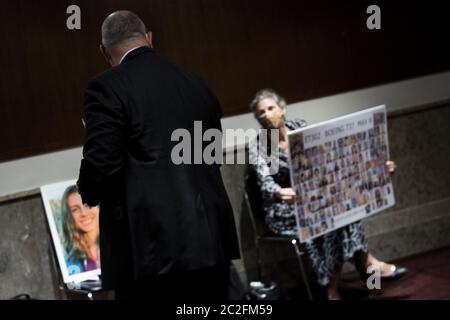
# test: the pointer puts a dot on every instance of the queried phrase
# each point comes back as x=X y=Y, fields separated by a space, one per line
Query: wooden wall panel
x=303 y=49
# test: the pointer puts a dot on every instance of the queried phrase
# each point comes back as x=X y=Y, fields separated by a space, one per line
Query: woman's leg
x=329 y=252
x=333 y=286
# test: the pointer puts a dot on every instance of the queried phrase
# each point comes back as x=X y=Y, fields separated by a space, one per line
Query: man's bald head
x=120 y=26
x=122 y=31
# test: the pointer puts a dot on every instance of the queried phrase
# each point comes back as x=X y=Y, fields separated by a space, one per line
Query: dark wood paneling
x=303 y=49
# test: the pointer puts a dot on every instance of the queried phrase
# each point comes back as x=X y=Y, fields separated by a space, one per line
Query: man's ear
x=105 y=54
x=149 y=39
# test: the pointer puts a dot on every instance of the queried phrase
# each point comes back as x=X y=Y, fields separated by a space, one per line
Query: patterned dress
x=326 y=253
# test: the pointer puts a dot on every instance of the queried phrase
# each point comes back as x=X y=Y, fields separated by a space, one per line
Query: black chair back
x=254 y=201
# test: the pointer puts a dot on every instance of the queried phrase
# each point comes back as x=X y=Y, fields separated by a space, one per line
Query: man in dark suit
x=166 y=230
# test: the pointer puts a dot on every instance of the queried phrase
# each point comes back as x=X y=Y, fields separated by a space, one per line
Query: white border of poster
x=338 y=171
x=54 y=192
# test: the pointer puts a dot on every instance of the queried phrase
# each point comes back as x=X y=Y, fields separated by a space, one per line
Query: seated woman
x=328 y=252
x=81 y=233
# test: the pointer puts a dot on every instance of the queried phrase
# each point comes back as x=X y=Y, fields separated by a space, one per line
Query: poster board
x=71 y=225
x=338 y=172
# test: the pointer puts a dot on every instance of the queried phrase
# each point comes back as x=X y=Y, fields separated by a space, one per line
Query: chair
x=253 y=200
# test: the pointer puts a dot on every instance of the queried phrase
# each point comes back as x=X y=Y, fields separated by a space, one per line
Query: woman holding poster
x=328 y=252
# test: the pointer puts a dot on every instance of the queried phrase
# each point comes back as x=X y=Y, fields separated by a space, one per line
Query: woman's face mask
x=269 y=114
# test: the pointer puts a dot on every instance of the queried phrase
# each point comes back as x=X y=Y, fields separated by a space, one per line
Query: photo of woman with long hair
x=80 y=230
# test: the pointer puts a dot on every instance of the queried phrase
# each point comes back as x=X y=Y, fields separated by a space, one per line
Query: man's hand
x=286 y=195
x=390 y=166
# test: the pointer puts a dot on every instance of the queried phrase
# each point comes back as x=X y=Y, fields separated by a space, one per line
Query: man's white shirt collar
x=123 y=57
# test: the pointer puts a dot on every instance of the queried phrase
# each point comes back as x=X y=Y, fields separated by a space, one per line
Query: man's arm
x=104 y=141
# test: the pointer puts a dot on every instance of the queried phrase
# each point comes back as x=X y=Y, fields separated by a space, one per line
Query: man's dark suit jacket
x=155 y=217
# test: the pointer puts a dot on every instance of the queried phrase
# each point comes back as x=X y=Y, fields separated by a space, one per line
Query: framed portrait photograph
x=74 y=231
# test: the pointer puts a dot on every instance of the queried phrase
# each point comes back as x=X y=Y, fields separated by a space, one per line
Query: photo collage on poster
x=342 y=180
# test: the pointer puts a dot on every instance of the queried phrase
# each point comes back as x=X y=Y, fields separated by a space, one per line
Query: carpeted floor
x=428 y=279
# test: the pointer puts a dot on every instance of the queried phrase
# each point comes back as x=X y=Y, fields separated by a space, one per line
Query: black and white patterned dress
x=326 y=252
